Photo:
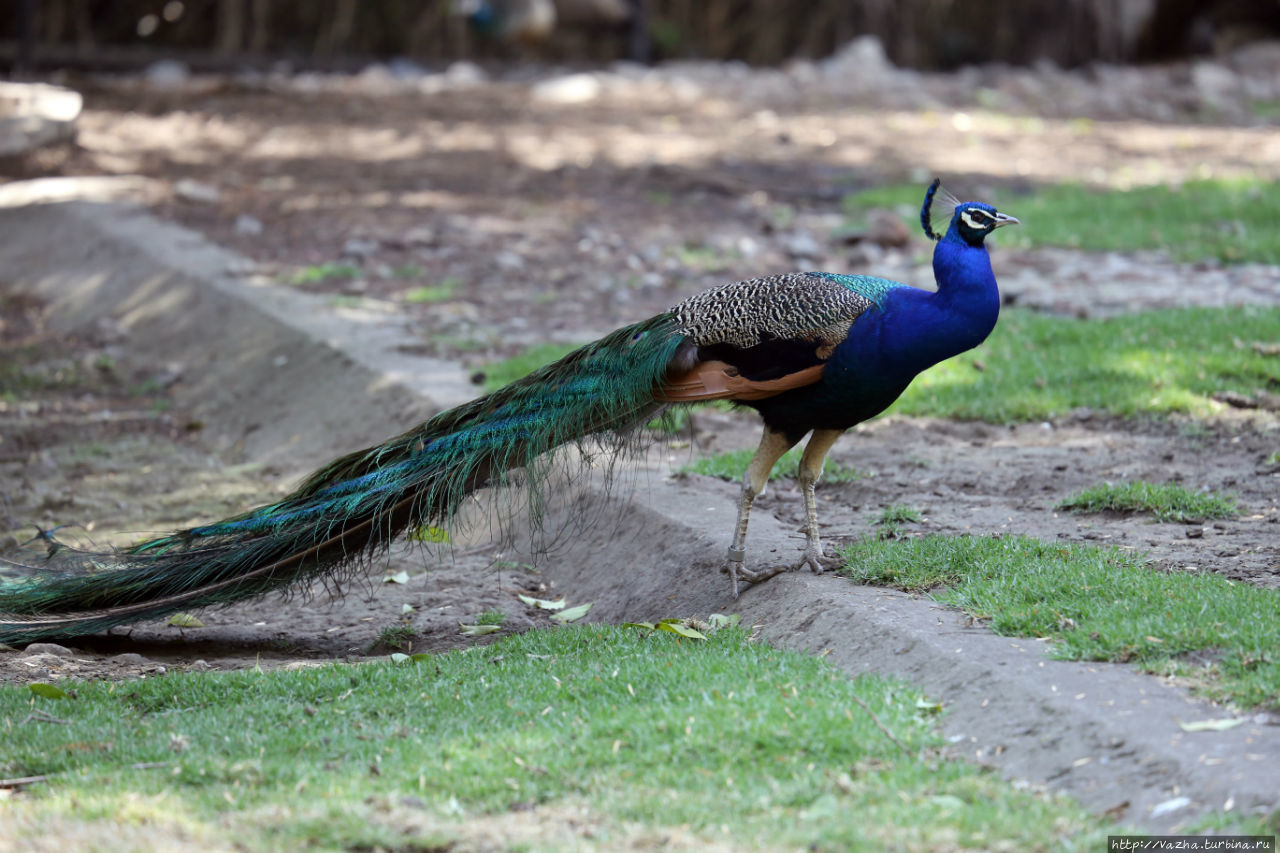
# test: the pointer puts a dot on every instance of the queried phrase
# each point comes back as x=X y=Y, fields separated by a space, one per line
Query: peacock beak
x=1003 y=219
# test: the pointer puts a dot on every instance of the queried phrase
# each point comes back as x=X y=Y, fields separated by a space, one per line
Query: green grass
x=893 y=517
x=428 y=294
x=1096 y=604
x=508 y=370
x=1166 y=501
x=732 y=464
x=1035 y=367
x=899 y=514
x=396 y=637
x=491 y=617
x=1229 y=220
x=324 y=272
x=720 y=740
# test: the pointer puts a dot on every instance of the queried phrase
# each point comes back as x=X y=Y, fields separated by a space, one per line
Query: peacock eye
x=977 y=219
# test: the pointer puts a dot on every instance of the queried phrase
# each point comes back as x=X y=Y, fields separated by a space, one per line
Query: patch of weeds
x=491 y=617
x=733 y=463
x=1166 y=501
x=325 y=272
x=408 y=271
x=733 y=742
x=428 y=294
x=396 y=637
x=893 y=517
x=1273 y=458
x=1095 y=604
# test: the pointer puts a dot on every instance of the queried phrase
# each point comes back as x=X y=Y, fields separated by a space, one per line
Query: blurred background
x=929 y=34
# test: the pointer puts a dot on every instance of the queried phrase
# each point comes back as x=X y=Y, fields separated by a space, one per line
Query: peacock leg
x=815 y=454
x=772 y=446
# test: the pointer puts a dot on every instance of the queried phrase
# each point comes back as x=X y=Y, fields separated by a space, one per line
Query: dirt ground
x=539 y=220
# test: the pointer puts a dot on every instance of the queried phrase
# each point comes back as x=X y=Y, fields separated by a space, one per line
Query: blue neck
x=921 y=328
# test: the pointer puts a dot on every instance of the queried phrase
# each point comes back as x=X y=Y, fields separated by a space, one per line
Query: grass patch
x=899 y=514
x=428 y=294
x=1035 y=366
x=734 y=742
x=325 y=272
x=491 y=617
x=508 y=370
x=395 y=637
x=893 y=517
x=1223 y=219
x=1096 y=603
x=732 y=464
x=1167 y=502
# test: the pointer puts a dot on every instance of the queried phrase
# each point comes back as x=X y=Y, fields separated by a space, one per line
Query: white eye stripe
x=968 y=218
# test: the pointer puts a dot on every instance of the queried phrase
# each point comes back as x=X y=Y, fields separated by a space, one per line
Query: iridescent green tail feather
x=354 y=507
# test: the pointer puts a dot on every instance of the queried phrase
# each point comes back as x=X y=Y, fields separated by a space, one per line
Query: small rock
x=1195 y=532
x=573 y=89
x=463 y=73
x=249 y=226
x=359 y=249
x=128 y=659
x=802 y=245
x=1216 y=84
x=888 y=230
x=196 y=191
x=44 y=661
x=167 y=74
x=421 y=235
x=48 y=649
x=509 y=260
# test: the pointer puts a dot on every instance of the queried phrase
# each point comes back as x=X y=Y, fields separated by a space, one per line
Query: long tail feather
x=357 y=505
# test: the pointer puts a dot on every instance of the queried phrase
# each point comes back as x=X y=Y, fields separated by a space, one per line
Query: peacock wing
x=757 y=338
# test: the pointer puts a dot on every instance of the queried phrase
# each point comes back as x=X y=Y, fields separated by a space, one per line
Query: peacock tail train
x=354 y=507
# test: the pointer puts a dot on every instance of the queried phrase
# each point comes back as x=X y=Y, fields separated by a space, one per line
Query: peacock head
x=970 y=221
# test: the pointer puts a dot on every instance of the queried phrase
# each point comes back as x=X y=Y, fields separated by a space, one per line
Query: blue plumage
x=814 y=353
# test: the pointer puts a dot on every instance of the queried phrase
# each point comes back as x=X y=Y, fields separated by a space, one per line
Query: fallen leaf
x=542 y=603
x=428 y=533
x=184 y=620
x=572 y=614
x=683 y=630
x=47 y=691
x=478 y=630
x=398 y=577
x=1220 y=725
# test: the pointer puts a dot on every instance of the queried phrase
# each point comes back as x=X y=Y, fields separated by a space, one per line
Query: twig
x=43 y=717
x=19 y=781
x=880 y=725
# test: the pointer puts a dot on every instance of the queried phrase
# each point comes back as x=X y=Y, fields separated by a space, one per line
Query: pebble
x=128 y=659
x=48 y=649
x=248 y=226
x=196 y=191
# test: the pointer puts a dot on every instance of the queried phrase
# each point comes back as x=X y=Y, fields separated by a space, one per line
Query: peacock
x=814 y=353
